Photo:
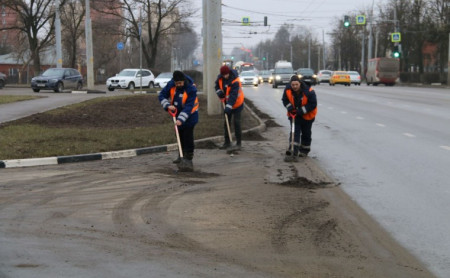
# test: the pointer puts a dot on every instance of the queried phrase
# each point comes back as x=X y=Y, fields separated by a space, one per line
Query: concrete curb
x=29 y=162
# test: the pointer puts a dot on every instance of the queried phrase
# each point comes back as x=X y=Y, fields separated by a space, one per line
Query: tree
x=36 y=23
x=72 y=19
x=158 y=20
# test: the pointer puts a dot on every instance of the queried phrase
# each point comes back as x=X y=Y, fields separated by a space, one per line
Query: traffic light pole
x=448 y=64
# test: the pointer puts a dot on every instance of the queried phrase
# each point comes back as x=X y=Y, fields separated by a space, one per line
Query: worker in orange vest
x=229 y=89
x=180 y=94
x=301 y=104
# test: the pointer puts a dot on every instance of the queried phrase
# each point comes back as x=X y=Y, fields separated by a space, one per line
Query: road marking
x=446 y=148
x=381 y=125
x=409 y=134
x=360 y=118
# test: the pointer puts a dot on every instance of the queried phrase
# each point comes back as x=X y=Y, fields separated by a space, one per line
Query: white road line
x=381 y=125
x=409 y=134
x=360 y=118
x=446 y=148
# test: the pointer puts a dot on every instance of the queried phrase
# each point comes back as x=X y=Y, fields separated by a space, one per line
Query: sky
x=316 y=15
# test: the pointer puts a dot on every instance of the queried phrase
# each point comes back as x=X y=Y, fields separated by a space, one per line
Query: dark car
x=307 y=75
x=2 y=80
x=57 y=79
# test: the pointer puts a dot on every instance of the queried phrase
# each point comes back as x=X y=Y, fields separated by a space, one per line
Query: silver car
x=323 y=76
x=249 y=78
x=130 y=79
x=355 y=78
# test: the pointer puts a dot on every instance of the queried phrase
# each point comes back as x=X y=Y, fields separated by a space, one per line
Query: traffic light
x=264 y=58
x=265 y=21
x=346 y=21
x=396 y=52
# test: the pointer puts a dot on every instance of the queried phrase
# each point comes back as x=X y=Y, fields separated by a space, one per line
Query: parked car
x=57 y=79
x=323 y=76
x=355 y=78
x=265 y=75
x=249 y=78
x=2 y=80
x=340 y=77
x=307 y=75
x=162 y=79
x=131 y=79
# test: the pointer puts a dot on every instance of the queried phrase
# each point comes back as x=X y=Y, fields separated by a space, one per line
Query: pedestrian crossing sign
x=361 y=19
x=396 y=37
x=246 y=20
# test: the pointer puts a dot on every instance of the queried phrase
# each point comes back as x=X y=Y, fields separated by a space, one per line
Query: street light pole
x=58 y=35
x=89 y=48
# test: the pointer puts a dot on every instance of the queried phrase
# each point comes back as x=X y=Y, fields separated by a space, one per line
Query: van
x=282 y=73
x=382 y=71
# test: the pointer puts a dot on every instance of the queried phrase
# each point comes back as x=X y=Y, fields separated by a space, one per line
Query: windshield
x=53 y=72
x=248 y=73
x=284 y=70
x=165 y=75
x=127 y=73
x=306 y=71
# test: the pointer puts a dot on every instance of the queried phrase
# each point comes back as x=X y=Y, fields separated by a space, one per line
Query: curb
x=55 y=160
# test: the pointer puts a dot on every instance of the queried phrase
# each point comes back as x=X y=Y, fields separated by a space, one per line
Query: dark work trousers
x=187 y=141
x=236 y=115
x=302 y=129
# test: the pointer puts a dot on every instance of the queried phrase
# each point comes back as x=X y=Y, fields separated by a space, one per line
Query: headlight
x=53 y=80
x=300 y=76
x=277 y=77
x=241 y=79
x=314 y=76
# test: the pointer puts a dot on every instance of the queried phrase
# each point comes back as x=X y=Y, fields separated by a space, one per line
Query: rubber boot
x=178 y=160
x=188 y=165
x=225 y=146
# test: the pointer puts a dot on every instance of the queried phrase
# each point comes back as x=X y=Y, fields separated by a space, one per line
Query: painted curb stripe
x=30 y=162
x=79 y=158
x=119 y=154
x=151 y=150
x=2 y=164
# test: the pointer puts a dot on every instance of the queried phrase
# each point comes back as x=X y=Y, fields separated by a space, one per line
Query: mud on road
x=251 y=215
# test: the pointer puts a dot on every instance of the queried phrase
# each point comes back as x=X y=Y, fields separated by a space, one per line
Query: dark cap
x=178 y=76
x=224 y=70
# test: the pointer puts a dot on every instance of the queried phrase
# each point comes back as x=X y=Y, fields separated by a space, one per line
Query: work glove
x=227 y=111
x=220 y=93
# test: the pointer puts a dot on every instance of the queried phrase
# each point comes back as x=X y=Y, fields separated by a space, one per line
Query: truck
x=282 y=73
x=382 y=70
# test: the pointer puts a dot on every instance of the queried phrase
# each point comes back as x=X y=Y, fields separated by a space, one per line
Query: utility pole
x=89 y=48
x=213 y=53
x=140 y=47
x=362 y=53
x=58 y=35
x=323 y=44
x=309 y=53
x=369 y=50
x=448 y=63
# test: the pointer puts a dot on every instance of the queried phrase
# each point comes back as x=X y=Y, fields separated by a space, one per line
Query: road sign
x=120 y=45
x=361 y=19
x=396 y=37
x=246 y=20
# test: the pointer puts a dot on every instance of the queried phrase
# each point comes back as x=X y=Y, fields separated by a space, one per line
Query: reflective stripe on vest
x=183 y=101
x=240 y=97
x=307 y=116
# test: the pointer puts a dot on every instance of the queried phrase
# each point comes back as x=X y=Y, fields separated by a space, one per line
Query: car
x=265 y=75
x=307 y=75
x=162 y=79
x=282 y=73
x=57 y=79
x=323 y=76
x=249 y=78
x=2 y=80
x=355 y=78
x=131 y=79
x=340 y=77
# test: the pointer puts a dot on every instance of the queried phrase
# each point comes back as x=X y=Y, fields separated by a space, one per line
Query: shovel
x=290 y=152
x=232 y=149
x=184 y=165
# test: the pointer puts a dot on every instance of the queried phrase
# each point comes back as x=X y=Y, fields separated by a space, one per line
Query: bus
x=383 y=71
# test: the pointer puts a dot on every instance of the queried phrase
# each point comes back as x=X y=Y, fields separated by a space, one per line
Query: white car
x=131 y=79
x=249 y=78
x=323 y=76
x=355 y=78
x=162 y=79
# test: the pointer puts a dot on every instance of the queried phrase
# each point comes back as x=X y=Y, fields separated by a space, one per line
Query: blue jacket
x=184 y=111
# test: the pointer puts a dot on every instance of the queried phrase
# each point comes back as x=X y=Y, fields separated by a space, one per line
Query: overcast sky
x=317 y=15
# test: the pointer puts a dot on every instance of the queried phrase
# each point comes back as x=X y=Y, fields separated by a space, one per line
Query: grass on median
x=101 y=125
x=8 y=98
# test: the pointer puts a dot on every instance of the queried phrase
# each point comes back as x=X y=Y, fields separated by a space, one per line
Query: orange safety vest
x=308 y=116
x=183 y=101
x=240 y=98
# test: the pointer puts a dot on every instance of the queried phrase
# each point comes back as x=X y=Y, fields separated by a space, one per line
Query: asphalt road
x=389 y=147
